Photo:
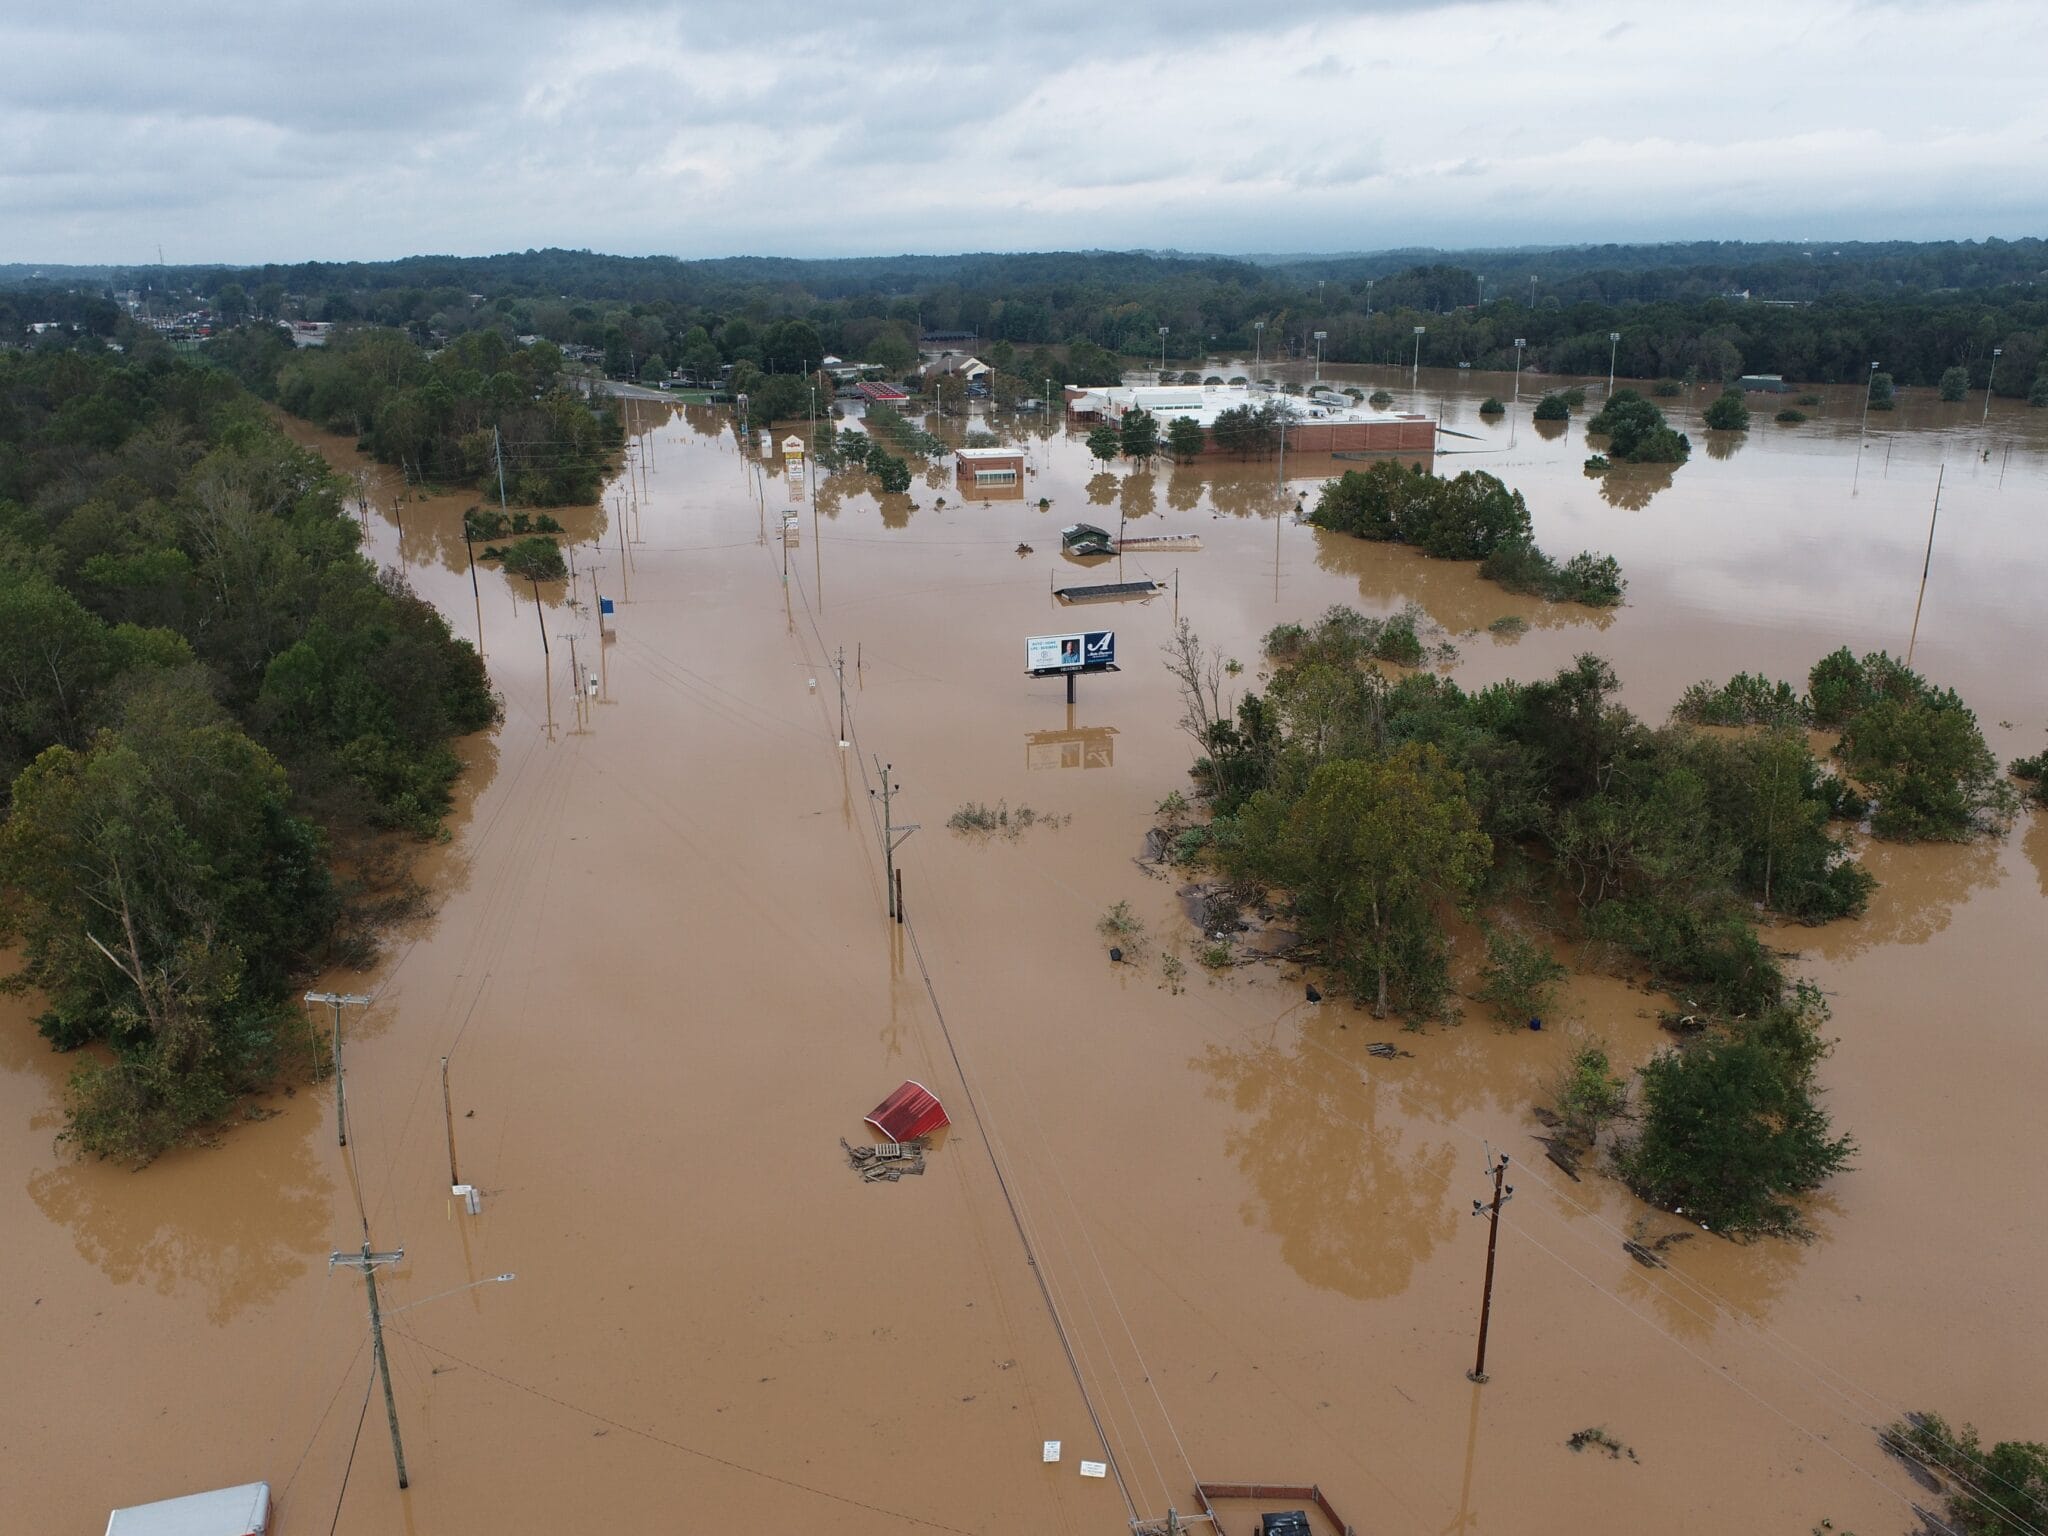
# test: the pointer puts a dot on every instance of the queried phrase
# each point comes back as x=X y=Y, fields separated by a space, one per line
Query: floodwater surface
x=664 y=977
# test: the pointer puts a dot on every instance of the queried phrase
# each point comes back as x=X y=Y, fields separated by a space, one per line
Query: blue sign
x=1098 y=648
x=604 y=605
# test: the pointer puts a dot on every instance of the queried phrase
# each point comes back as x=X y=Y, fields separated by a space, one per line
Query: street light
x=1869 y=385
x=1162 y=352
x=1532 y=293
x=1613 y=350
x=1520 y=342
x=1319 y=355
x=1996 y=352
x=1482 y=289
x=1415 y=373
x=1258 y=341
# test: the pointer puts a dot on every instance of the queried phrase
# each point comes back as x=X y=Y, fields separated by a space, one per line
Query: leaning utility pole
x=336 y=1000
x=890 y=841
x=498 y=453
x=839 y=668
x=1501 y=1196
x=367 y=1262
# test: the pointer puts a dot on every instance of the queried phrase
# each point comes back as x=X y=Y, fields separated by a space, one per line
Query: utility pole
x=336 y=1000
x=890 y=841
x=475 y=591
x=576 y=677
x=1501 y=1196
x=498 y=453
x=839 y=667
x=367 y=1262
x=625 y=580
x=448 y=1116
x=1926 y=564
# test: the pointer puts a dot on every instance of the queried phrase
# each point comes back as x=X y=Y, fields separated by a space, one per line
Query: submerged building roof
x=1203 y=403
x=908 y=1113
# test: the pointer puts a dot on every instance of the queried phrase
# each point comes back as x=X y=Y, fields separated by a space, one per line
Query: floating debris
x=885 y=1162
x=1386 y=1050
x=1602 y=1440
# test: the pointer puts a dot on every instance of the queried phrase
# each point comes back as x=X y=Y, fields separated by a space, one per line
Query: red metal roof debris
x=887 y=394
x=908 y=1113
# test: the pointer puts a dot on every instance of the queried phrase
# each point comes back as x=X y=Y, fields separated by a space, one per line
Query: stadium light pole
x=1258 y=342
x=1162 y=352
x=1368 y=296
x=1415 y=372
x=1319 y=355
x=1520 y=342
x=1996 y=352
x=1613 y=351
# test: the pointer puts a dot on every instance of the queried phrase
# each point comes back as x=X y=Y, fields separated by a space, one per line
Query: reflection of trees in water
x=1551 y=431
x=1136 y=498
x=707 y=420
x=239 y=1224
x=1249 y=495
x=1450 y=591
x=935 y=475
x=2036 y=845
x=1184 y=489
x=1102 y=489
x=1919 y=887
x=1725 y=445
x=1356 y=1205
x=895 y=510
x=1630 y=486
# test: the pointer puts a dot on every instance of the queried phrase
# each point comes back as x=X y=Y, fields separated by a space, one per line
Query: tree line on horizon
x=1815 y=314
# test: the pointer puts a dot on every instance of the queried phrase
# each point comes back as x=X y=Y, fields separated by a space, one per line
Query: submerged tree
x=1365 y=854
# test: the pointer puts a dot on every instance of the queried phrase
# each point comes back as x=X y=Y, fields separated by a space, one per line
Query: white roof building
x=1203 y=403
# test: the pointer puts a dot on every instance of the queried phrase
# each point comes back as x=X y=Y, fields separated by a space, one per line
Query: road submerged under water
x=663 y=972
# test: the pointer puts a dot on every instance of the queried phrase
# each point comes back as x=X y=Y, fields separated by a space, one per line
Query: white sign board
x=1070 y=653
x=1052 y=1450
x=1095 y=1469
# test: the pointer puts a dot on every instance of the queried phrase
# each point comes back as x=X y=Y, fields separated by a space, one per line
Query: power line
x=677 y=1445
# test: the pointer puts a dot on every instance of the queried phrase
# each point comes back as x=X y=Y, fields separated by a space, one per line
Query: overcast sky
x=230 y=130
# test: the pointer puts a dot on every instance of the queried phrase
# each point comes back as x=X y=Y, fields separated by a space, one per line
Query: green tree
x=1637 y=431
x=1955 y=383
x=1365 y=854
x=1553 y=408
x=1730 y=1128
x=1185 y=438
x=231 y=303
x=160 y=889
x=1728 y=412
x=1520 y=977
x=2002 y=1492
x=892 y=473
x=535 y=559
x=1883 y=392
x=1138 y=434
x=1104 y=442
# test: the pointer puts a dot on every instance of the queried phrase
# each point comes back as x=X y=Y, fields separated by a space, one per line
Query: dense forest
x=1711 y=310
x=215 y=715
x=480 y=411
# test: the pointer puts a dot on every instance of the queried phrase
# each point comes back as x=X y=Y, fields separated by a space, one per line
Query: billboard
x=1092 y=651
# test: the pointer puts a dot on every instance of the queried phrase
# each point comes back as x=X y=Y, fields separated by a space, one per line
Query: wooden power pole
x=1501 y=1195
x=367 y=1262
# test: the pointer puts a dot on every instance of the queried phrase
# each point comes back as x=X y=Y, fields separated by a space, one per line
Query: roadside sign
x=1090 y=651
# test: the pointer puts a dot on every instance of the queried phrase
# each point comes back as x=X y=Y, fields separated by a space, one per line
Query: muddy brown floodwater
x=663 y=972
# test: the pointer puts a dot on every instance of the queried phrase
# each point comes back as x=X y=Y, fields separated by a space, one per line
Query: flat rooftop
x=1203 y=403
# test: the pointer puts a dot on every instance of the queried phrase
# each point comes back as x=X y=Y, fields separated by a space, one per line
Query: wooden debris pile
x=887 y=1161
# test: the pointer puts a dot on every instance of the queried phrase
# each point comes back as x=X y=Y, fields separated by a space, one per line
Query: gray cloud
x=229 y=130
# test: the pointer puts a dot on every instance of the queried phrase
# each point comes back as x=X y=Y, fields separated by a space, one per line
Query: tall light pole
x=1996 y=352
x=1482 y=289
x=1258 y=341
x=1613 y=351
x=1162 y=352
x=1520 y=342
x=1319 y=355
x=1532 y=294
x=1868 y=385
x=1368 y=296
x=1415 y=372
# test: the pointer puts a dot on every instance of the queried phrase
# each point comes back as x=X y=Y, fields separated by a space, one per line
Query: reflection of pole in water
x=1925 y=565
x=1465 y=1520
x=475 y=591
